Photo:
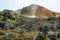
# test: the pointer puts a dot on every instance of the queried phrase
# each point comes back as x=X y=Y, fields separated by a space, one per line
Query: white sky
x=17 y=4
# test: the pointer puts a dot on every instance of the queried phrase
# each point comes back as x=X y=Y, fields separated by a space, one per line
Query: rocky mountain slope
x=33 y=22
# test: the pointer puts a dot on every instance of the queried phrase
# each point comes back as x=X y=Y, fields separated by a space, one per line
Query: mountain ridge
x=37 y=11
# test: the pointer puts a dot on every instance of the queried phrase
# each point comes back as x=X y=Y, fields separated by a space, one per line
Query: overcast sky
x=53 y=5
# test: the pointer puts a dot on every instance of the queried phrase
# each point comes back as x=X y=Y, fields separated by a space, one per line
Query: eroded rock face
x=39 y=12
